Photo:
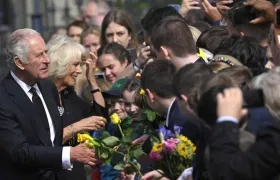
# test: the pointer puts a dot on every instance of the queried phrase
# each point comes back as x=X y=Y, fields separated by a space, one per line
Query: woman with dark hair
x=112 y=60
x=117 y=27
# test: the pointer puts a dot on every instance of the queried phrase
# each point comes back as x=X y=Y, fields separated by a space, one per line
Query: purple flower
x=170 y=144
x=155 y=156
x=177 y=129
x=165 y=132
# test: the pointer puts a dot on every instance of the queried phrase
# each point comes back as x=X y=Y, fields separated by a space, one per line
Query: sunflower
x=183 y=139
x=183 y=150
x=157 y=147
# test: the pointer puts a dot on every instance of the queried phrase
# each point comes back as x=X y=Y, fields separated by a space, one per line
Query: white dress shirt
x=66 y=150
x=168 y=114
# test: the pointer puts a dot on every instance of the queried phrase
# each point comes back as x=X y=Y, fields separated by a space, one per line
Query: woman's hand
x=223 y=5
x=156 y=174
x=125 y=176
x=91 y=66
x=91 y=123
x=144 y=55
x=141 y=139
x=211 y=11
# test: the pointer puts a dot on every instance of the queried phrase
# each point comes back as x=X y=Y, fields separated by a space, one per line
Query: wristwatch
x=136 y=67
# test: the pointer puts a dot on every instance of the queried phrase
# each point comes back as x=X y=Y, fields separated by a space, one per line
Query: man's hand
x=188 y=5
x=230 y=104
x=265 y=7
x=82 y=154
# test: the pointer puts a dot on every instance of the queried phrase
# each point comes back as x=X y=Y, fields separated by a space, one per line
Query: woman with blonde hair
x=220 y=62
x=65 y=65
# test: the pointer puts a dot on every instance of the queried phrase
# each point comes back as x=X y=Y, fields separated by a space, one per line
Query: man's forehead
x=37 y=43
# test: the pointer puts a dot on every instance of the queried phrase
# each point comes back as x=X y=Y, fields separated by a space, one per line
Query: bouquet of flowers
x=172 y=153
x=107 y=147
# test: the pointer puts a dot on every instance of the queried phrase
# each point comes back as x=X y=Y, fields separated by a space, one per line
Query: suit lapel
x=49 y=98
x=21 y=99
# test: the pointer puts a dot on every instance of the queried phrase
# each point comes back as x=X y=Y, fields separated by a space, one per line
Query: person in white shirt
x=30 y=122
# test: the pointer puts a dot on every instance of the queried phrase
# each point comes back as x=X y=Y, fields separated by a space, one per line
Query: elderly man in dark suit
x=30 y=123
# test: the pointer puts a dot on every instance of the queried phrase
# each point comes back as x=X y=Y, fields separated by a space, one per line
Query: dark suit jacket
x=26 y=151
x=188 y=123
x=196 y=130
x=261 y=161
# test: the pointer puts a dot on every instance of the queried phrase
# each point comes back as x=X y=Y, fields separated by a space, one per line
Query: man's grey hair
x=103 y=6
x=269 y=83
x=17 y=45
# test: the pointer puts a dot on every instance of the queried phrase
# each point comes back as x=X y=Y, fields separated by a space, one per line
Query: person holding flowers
x=117 y=108
x=65 y=66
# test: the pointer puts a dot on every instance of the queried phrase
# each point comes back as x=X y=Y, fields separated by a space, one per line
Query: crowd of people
x=209 y=67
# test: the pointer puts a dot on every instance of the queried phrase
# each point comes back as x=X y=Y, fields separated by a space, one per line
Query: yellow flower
x=183 y=139
x=193 y=148
x=115 y=119
x=83 y=137
x=138 y=75
x=157 y=147
x=142 y=92
x=188 y=142
x=183 y=150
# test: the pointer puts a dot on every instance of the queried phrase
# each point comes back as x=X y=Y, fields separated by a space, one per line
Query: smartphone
x=242 y=15
x=175 y=6
x=132 y=53
x=99 y=76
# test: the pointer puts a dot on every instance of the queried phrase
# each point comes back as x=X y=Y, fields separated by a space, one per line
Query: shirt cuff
x=66 y=162
x=186 y=173
x=227 y=119
x=217 y=23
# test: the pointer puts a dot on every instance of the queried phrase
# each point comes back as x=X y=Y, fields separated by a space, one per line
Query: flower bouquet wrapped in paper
x=172 y=153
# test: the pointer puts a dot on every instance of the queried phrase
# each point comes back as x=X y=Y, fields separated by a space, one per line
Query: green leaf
x=95 y=142
x=104 y=155
x=111 y=141
x=119 y=166
x=105 y=134
x=151 y=115
x=108 y=160
x=154 y=139
x=128 y=131
x=133 y=147
x=126 y=139
x=137 y=153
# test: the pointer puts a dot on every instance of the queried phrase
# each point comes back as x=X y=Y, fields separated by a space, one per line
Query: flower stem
x=119 y=126
x=130 y=162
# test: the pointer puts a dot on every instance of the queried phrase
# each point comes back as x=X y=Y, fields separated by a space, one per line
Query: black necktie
x=40 y=109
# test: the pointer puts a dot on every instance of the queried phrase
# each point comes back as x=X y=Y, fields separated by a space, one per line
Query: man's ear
x=18 y=63
x=242 y=34
x=184 y=98
x=164 y=51
x=150 y=95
